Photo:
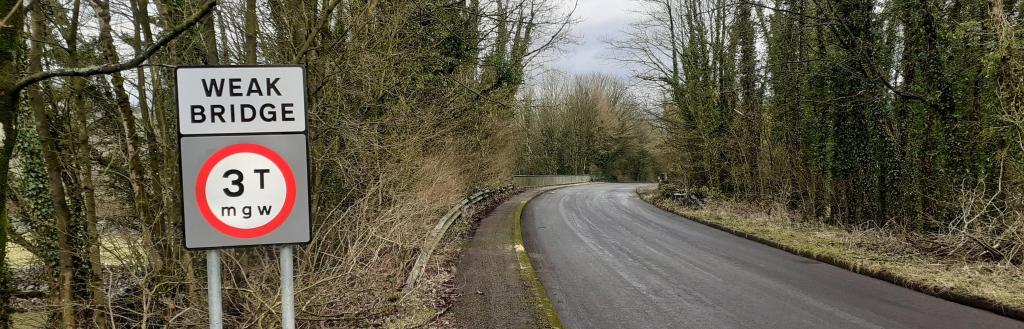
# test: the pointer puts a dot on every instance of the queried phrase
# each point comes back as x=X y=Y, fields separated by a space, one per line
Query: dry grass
x=875 y=252
x=29 y=320
x=114 y=248
x=18 y=256
x=350 y=275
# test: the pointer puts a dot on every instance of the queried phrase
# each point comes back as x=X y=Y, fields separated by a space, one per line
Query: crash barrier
x=462 y=209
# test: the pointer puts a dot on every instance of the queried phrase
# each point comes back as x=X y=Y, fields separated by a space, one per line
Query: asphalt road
x=610 y=260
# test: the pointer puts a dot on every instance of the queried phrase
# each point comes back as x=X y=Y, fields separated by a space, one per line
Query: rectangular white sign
x=241 y=100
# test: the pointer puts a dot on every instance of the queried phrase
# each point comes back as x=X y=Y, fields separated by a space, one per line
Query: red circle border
x=241 y=233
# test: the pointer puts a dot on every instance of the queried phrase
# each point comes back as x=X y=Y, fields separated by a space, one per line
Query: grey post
x=213 y=288
x=287 y=289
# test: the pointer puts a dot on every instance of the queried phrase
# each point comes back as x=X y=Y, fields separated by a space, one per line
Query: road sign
x=245 y=190
x=245 y=215
x=244 y=161
x=241 y=100
x=244 y=166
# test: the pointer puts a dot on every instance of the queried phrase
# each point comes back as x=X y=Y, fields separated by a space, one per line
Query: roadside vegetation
x=585 y=125
x=411 y=105
x=906 y=258
x=887 y=133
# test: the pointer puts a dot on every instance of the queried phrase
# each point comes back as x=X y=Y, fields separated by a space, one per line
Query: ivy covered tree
x=855 y=112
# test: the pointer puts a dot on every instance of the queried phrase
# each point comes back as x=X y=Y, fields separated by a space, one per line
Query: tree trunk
x=251 y=30
x=136 y=173
x=208 y=30
x=8 y=121
x=83 y=162
x=154 y=154
x=10 y=46
x=54 y=172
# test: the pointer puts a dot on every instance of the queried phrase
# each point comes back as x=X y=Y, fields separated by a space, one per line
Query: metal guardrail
x=460 y=210
x=435 y=235
x=548 y=180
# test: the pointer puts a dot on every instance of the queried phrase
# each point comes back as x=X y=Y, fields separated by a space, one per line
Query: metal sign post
x=287 y=289
x=244 y=166
x=213 y=288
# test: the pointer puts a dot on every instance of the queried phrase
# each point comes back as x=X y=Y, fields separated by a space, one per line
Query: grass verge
x=876 y=253
x=115 y=250
x=530 y=275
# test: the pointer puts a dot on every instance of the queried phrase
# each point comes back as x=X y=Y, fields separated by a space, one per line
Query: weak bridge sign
x=244 y=156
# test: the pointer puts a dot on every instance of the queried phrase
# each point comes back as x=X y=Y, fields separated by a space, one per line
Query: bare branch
x=10 y=14
x=111 y=68
x=305 y=48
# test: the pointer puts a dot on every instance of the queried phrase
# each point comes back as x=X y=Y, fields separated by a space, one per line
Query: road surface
x=610 y=260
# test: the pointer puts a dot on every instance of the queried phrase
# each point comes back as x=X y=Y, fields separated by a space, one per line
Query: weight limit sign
x=244 y=161
x=245 y=190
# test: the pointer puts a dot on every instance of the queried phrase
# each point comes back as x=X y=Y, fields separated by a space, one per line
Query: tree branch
x=10 y=14
x=319 y=25
x=111 y=68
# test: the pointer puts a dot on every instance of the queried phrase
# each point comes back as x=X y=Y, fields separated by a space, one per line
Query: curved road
x=610 y=260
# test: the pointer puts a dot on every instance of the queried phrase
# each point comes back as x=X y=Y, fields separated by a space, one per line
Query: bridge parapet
x=548 y=180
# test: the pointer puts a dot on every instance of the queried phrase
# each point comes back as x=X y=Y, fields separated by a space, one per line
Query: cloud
x=600 y=11
x=600 y=21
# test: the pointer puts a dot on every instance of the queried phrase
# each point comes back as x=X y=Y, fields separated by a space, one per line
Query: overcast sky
x=599 y=21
